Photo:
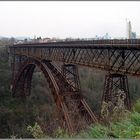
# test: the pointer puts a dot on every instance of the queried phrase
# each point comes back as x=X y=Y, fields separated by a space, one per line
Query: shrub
x=60 y=133
x=36 y=131
x=135 y=118
x=136 y=107
x=98 y=131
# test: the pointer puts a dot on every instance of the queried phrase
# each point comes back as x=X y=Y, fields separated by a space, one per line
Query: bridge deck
x=121 y=56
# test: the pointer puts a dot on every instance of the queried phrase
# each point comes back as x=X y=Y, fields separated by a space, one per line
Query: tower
x=129 y=29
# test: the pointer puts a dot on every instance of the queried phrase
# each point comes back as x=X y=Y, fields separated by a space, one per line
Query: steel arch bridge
x=118 y=57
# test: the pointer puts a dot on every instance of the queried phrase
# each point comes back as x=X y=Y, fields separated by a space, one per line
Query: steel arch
x=22 y=84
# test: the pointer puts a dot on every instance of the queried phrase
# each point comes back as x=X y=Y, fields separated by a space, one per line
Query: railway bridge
x=118 y=58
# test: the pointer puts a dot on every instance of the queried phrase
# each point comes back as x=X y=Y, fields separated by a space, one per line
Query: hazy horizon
x=64 y=19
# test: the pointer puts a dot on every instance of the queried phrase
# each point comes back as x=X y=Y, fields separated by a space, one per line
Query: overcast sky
x=68 y=18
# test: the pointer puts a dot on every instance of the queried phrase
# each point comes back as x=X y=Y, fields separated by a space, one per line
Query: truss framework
x=113 y=83
x=118 y=56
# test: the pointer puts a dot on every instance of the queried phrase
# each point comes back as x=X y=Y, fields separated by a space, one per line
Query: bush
x=95 y=131
x=60 y=133
x=123 y=129
x=136 y=107
x=135 y=118
x=36 y=131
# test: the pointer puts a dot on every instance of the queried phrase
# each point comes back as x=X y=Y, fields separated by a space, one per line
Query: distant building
x=130 y=33
x=45 y=40
x=129 y=30
x=19 y=42
x=106 y=36
x=133 y=35
x=138 y=36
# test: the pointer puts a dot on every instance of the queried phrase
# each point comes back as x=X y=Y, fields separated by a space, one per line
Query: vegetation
x=125 y=128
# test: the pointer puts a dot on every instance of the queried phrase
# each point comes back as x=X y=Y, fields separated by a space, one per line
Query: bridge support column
x=71 y=94
x=12 y=59
x=16 y=62
x=78 y=110
x=70 y=73
x=116 y=89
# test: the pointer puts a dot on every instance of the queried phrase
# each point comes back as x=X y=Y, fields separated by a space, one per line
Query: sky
x=77 y=19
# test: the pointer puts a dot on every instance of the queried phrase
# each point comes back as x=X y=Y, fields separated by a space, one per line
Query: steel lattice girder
x=119 y=58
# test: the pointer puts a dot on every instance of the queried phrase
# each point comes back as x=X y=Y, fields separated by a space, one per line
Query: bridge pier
x=70 y=73
x=78 y=110
x=16 y=63
x=116 y=88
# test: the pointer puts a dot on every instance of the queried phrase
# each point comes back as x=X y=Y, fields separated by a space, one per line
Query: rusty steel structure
x=113 y=83
x=118 y=57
